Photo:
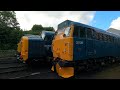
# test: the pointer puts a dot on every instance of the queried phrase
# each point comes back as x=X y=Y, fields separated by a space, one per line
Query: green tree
x=10 y=31
x=8 y=19
x=49 y=28
x=37 y=28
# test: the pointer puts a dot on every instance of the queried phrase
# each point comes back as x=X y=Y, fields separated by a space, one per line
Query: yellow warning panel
x=24 y=48
x=19 y=47
x=65 y=72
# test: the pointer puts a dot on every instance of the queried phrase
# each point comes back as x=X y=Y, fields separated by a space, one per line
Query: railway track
x=107 y=72
x=7 y=60
x=11 y=65
x=11 y=69
x=4 y=58
x=29 y=76
x=4 y=66
x=31 y=73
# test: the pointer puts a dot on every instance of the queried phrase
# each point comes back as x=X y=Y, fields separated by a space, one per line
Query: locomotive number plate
x=79 y=42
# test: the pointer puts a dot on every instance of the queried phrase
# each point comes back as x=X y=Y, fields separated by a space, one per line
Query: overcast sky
x=99 y=19
x=51 y=18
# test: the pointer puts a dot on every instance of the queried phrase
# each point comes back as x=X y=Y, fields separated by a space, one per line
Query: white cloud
x=51 y=18
x=115 y=24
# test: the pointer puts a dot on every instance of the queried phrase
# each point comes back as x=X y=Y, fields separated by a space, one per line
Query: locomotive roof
x=33 y=37
x=48 y=32
x=69 y=22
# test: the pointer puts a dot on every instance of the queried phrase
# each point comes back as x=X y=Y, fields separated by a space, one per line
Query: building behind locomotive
x=76 y=43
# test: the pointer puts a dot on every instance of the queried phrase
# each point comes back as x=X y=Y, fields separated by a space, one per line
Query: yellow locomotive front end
x=19 y=47
x=62 y=48
x=24 y=48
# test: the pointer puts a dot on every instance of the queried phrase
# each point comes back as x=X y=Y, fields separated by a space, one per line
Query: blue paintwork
x=99 y=49
x=36 y=48
x=79 y=49
x=40 y=46
x=106 y=49
x=92 y=48
x=67 y=23
x=48 y=36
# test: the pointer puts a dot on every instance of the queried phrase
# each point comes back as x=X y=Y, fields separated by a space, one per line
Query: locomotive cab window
x=108 y=38
x=82 y=32
x=112 y=39
x=76 y=31
x=101 y=37
x=89 y=33
x=59 y=31
x=96 y=35
x=67 y=31
x=43 y=35
x=48 y=38
x=115 y=40
x=79 y=32
x=105 y=37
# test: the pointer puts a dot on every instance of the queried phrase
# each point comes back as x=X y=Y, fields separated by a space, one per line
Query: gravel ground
x=111 y=72
x=44 y=72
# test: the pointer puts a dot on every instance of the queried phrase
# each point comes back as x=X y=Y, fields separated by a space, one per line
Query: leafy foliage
x=8 y=19
x=10 y=32
x=37 y=29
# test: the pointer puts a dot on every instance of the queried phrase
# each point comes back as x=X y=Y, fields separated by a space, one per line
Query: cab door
x=79 y=43
x=90 y=43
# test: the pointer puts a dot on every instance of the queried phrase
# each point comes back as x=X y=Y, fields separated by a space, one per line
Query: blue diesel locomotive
x=77 y=46
x=33 y=48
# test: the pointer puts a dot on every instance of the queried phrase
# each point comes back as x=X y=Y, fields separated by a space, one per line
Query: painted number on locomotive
x=79 y=42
